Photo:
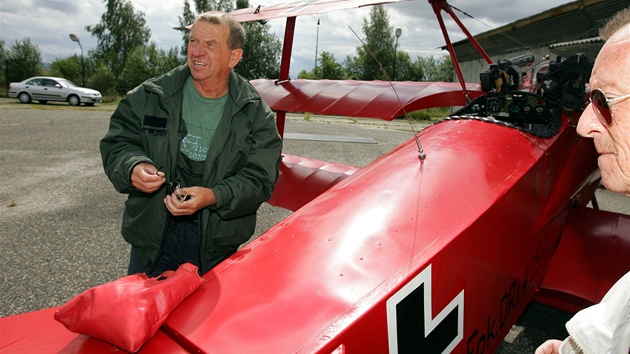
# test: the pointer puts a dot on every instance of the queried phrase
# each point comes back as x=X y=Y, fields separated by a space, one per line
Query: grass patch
x=430 y=114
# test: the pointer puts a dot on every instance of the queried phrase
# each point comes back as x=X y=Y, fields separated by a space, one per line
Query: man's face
x=611 y=74
x=209 y=57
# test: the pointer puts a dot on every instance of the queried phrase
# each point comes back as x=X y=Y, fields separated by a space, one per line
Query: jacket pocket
x=153 y=125
x=154 y=137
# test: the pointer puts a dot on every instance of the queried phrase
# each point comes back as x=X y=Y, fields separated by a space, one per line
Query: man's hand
x=187 y=201
x=146 y=178
x=551 y=346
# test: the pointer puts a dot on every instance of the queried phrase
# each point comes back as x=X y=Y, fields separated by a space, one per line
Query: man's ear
x=235 y=57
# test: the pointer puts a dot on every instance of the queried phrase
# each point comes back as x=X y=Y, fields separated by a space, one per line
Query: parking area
x=59 y=230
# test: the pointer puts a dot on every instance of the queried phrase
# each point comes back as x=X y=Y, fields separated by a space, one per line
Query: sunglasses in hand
x=175 y=188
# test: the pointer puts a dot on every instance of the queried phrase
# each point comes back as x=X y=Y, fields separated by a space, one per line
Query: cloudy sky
x=48 y=24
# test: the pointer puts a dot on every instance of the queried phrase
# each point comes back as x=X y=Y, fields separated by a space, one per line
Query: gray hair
x=615 y=23
x=236 y=39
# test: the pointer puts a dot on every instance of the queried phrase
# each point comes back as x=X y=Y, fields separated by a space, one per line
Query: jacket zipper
x=166 y=223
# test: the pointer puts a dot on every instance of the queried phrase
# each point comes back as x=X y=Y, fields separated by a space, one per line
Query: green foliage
x=375 y=59
x=306 y=75
x=329 y=68
x=422 y=114
x=123 y=39
x=186 y=19
x=445 y=70
x=103 y=80
x=261 y=52
x=378 y=62
x=69 y=68
x=146 y=62
x=430 y=114
x=404 y=70
x=120 y=31
x=4 y=60
x=209 y=5
x=23 y=61
x=435 y=69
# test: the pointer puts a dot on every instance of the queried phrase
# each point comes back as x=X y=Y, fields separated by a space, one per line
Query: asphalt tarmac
x=60 y=216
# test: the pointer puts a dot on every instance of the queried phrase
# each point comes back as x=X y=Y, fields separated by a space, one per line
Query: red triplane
x=435 y=247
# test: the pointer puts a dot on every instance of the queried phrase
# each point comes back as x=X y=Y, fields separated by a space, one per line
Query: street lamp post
x=398 y=33
x=75 y=38
x=316 y=43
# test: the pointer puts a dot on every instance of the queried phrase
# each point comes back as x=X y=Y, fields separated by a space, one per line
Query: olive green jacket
x=241 y=167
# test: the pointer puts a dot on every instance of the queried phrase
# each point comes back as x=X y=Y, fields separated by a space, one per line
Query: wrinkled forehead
x=207 y=29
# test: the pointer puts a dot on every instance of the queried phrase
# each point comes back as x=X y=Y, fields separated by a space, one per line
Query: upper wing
x=300 y=8
x=368 y=99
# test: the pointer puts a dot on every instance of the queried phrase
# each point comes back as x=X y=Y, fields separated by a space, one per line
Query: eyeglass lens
x=599 y=100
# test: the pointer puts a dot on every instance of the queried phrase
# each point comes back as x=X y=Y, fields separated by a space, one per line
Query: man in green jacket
x=197 y=151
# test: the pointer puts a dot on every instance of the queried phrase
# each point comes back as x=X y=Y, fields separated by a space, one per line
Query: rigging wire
x=421 y=154
x=487 y=25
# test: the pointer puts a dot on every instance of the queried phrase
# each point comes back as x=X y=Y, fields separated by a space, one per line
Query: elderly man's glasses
x=602 y=105
x=175 y=188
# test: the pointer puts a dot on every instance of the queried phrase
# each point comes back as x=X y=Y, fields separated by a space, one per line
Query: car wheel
x=43 y=101
x=74 y=100
x=24 y=97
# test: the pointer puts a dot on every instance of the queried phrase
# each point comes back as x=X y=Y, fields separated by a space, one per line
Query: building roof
x=566 y=29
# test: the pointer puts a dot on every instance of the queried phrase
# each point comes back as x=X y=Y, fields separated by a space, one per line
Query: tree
x=329 y=69
x=217 y=5
x=405 y=68
x=435 y=69
x=186 y=19
x=445 y=70
x=69 y=68
x=24 y=61
x=374 y=60
x=146 y=62
x=103 y=80
x=4 y=62
x=120 y=31
x=261 y=52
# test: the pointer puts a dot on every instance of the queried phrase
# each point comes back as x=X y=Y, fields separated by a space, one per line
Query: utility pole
x=398 y=33
x=75 y=38
x=316 y=44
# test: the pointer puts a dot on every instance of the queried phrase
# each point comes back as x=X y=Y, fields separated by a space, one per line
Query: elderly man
x=605 y=327
x=197 y=151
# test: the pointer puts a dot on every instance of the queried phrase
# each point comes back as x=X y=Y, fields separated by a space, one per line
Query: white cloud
x=48 y=24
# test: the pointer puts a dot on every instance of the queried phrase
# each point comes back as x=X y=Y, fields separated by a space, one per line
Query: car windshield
x=67 y=83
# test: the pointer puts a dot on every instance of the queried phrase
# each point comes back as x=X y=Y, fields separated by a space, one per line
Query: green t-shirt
x=202 y=116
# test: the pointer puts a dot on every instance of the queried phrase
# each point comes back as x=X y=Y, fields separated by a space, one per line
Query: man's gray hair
x=236 y=39
x=615 y=23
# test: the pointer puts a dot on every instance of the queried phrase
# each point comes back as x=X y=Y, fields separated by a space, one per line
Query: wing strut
x=438 y=6
x=285 y=65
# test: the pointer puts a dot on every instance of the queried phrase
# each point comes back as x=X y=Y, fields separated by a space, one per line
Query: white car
x=45 y=88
